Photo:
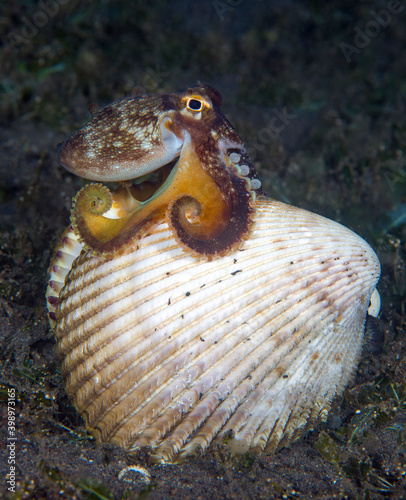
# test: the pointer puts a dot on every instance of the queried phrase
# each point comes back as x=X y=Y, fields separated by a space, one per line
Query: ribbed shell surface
x=168 y=351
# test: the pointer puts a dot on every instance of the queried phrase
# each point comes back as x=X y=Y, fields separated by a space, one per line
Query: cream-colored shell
x=170 y=352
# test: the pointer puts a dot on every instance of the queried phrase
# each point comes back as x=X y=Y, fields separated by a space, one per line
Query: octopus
x=206 y=191
x=188 y=307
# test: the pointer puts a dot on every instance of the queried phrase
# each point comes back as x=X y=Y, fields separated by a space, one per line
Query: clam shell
x=167 y=351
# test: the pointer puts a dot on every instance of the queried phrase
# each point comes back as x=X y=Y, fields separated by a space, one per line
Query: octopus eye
x=194 y=105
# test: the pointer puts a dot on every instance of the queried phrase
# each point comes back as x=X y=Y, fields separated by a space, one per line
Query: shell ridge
x=158 y=292
x=110 y=377
x=175 y=394
x=196 y=424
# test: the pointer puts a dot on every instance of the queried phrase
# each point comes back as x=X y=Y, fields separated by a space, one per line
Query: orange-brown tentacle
x=207 y=198
x=212 y=220
x=107 y=235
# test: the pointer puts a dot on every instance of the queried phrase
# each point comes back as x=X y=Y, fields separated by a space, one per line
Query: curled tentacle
x=208 y=196
x=195 y=222
x=207 y=217
x=99 y=216
x=191 y=226
x=89 y=205
x=94 y=198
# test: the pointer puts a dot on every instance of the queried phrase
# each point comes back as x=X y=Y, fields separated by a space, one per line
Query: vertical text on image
x=11 y=440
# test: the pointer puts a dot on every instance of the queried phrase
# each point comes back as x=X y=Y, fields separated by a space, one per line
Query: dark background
x=340 y=82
